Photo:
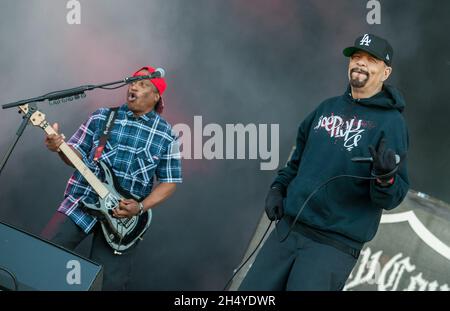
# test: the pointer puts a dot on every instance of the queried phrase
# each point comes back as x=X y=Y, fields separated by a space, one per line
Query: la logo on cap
x=365 y=40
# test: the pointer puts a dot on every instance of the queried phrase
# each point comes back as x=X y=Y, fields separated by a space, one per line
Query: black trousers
x=63 y=231
x=297 y=264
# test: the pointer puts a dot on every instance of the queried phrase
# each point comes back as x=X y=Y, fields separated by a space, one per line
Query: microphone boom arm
x=74 y=92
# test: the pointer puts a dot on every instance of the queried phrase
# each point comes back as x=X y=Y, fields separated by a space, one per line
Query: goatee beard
x=358 y=83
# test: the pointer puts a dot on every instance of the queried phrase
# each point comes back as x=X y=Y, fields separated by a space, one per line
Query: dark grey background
x=230 y=61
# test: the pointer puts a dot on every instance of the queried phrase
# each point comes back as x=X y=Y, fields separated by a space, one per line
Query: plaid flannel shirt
x=137 y=150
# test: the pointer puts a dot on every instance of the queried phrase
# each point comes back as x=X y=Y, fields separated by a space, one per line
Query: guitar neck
x=95 y=183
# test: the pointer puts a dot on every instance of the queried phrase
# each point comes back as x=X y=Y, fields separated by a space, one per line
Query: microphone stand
x=23 y=125
x=67 y=94
x=77 y=92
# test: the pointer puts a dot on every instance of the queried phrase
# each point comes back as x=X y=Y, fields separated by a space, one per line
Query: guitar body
x=120 y=233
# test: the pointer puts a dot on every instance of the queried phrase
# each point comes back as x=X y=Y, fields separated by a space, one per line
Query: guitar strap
x=106 y=131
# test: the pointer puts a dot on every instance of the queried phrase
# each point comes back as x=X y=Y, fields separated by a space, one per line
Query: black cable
x=113 y=88
x=313 y=193
x=295 y=219
x=250 y=256
x=13 y=277
x=53 y=93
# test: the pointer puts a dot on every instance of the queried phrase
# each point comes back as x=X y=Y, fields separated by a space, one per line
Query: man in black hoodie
x=317 y=241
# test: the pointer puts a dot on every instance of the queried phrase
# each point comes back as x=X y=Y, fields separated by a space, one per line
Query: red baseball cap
x=159 y=83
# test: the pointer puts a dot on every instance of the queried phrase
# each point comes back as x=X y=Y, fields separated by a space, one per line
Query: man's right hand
x=274 y=204
x=53 y=141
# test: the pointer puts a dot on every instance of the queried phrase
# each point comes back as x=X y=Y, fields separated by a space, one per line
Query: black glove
x=384 y=161
x=274 y=204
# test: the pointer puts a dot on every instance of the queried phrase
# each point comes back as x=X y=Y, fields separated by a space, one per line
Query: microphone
x=370 y=159
x=159 y=73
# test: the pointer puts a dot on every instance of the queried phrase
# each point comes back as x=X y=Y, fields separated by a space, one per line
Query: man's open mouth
x=131 y=96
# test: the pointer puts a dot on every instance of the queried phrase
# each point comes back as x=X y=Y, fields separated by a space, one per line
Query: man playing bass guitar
x=138 y=147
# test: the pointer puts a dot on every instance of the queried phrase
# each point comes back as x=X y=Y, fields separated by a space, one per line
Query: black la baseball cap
x=373 y=45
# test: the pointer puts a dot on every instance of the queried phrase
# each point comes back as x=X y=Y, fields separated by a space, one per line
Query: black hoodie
x=347 y=209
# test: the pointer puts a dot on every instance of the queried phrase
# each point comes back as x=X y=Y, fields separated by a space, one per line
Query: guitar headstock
x=37 y=118
x=24 y=109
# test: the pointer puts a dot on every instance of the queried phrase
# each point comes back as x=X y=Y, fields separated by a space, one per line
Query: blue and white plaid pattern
x=137 y=150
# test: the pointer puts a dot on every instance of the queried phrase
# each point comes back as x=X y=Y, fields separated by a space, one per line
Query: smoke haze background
x=230 y=62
